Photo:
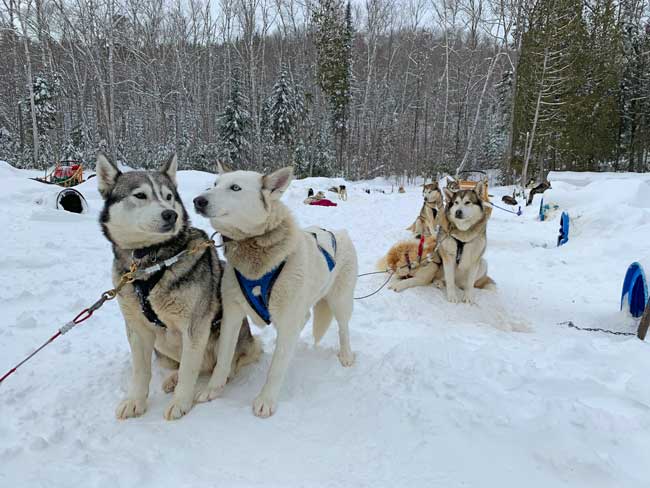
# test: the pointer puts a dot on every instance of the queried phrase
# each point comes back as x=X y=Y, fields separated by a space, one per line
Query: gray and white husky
x=275 y=273
x=176 y=310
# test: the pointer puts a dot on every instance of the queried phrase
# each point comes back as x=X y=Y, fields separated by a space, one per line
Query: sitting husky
x=427 y=221
x=275 y=273
x=462 y=242
x=176 y=310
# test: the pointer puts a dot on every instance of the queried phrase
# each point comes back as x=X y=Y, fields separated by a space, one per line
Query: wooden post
x=644 y=323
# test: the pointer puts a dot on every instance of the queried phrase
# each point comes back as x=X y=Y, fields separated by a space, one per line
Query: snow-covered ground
x=442 y=395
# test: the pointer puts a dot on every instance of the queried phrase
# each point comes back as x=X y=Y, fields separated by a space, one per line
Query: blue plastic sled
x=635 y=290
x=563 y=238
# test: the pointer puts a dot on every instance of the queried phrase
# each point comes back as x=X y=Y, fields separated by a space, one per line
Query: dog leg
x=468 y=286
x=169 y=385
x=423 y=277
x=449 y=266
x=232 y=322
x=342 y=308
x=266 y=402
x=188 y=371
x=141 y=341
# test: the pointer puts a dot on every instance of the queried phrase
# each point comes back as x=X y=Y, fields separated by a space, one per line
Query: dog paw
x=208 y=394
x=346 y=358
x=131 y=408
x=468 y=298
x=169 y=385
x=440 y=284
x=264 y=406
x=397 y=287
x=176 y=409
x=452 y=297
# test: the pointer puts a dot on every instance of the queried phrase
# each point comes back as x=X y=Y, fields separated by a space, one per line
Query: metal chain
x=570 y=323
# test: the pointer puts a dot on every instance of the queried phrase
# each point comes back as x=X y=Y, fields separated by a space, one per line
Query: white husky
x=275 y=273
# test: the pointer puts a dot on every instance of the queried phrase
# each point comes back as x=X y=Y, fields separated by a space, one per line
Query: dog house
x=71 y=200
x=634 y=295
x=67 y=199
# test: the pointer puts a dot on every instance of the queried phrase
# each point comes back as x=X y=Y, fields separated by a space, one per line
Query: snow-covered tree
x=283 y=110
x=235 y=125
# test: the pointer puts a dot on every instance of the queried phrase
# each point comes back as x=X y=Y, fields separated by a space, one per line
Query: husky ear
x=276 y=183
x=222 y=168
x=449 y=194
x=479 y=189
x=170 y=167
x=107 y=174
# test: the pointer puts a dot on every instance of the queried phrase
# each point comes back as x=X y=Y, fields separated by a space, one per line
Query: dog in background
x=410 y=266
x=343 y=192
x=463 y=240
x=432 y=207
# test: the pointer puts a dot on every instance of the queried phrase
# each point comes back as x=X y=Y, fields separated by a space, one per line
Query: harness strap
x=264 y=285
x=420 y=248
x=328 y=257
x=460 y=246
x=143 y=289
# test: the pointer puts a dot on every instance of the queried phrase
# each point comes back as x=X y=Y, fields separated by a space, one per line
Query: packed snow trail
x=441 y=395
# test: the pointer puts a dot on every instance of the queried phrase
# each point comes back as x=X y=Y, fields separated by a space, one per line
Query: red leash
x=420 y=248
x=84 y=315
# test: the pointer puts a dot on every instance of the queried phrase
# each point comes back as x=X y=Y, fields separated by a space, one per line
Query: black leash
x=390 y=275
x=570 y=323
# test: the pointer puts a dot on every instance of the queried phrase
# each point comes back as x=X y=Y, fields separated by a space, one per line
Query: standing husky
x=275 y=273
x=431 y=209
x=462 y=242
x=177 y=309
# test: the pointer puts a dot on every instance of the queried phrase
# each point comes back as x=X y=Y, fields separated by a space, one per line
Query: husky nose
x=200 y=203
x=169 y=216
x=459 y=214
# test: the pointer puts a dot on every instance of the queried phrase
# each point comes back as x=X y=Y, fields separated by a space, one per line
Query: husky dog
x=510 y=200
x=176 y=310
x=463 y=239
x=410 y=266
x=431 y=209
x=276 y=273
x=343 y=193
x=541 y=188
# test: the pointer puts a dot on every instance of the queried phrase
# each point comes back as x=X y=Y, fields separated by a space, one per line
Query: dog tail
x=486 y=283
x=322 y=319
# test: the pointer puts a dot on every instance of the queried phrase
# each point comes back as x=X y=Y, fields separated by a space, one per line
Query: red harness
x=408 y=258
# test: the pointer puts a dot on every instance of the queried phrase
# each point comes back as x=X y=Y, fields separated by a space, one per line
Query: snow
x=441 y=395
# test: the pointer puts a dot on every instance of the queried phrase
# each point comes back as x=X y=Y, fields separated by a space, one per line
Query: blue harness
x=264 y=285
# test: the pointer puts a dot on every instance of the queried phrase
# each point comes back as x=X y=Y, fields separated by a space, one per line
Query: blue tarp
x=635 y=289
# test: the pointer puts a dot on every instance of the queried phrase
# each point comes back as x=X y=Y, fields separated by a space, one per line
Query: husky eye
x=140 y=196
x=235 y=187
x=169 y=197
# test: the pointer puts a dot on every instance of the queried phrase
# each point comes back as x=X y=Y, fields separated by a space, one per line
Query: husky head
x=431 y=193
x=141 y=208
x=241 y=203
x=465 y=207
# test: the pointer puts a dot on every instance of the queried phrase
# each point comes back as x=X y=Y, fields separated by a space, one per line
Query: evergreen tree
x=283 y=111
x=235 y=125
